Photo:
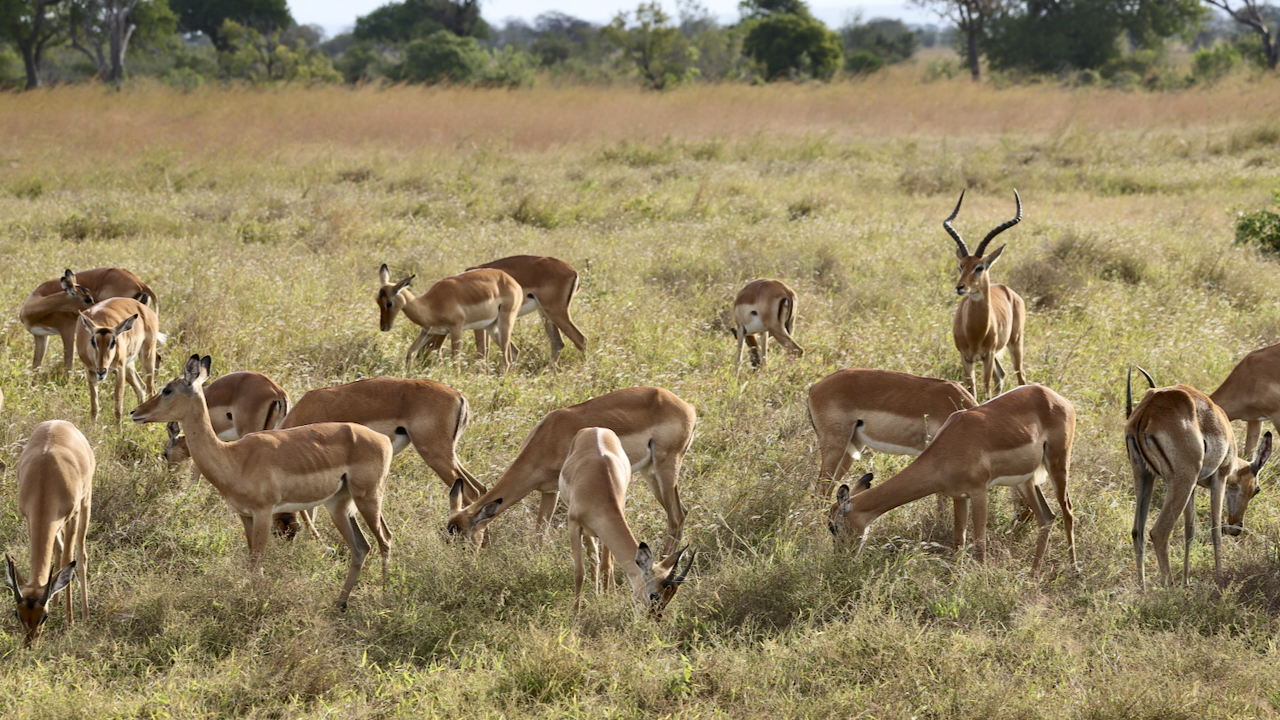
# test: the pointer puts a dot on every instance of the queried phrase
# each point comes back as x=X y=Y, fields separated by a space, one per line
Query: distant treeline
x=189 y=42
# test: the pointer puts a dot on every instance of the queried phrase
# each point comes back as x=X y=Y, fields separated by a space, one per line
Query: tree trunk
x=32 y=65
x=120 y=30
x=1271 y=47
x=973 y=32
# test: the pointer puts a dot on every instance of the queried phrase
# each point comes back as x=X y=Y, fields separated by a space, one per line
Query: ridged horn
x=952 y=231
x=982 y=246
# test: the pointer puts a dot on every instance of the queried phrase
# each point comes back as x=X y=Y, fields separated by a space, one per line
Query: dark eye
x=167 y=391
x=93 y=343
x=88 y=301
x=977 y=270
x=113 y=344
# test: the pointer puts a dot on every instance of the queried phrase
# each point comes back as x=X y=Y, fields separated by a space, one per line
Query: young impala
x=342 y=466
x=989 y=317
x=48 y=310
x=654 y=426
x=1180 y=434
x=548 y=285
x=1016 y=439
x=593 y=483
x=55 y=490
x=764 y=308
x=110 y=337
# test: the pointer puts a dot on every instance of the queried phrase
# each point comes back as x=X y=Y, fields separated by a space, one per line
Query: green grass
x=267 y=260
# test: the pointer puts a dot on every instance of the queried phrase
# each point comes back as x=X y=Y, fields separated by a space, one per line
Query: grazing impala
x=110 y=337
x=654 y=426
x=548 y=286
x=1252 y=393
x=53 y=308
x=55 y=489
x=1015 y=439
x=764 y=308
x=342 y=466
x=593 y=483
x=1180 y=434
x=485 y=299
x=239 y=403
x=989 y=317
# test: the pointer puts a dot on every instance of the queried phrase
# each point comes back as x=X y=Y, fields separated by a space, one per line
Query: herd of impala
x=273 y=463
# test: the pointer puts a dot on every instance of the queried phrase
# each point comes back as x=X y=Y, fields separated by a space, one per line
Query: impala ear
x=644 y=558
x=12 y=578
x=69 y=284
x=84 y=320
x=864 y=483
x=488 y=511
x=384 y=274
x=1262 y=455
x=143 y=298
x=127 y=325
x=842 y=494
x=402 y=285
x=58 y=583
x=991 y=259
x=455 y=495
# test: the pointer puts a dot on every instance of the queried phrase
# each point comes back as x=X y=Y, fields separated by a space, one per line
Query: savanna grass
x=261 y=217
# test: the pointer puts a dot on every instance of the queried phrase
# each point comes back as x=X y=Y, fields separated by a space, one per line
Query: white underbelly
x=399 y=441
x=43 y=330
x=860 y=440
x=1038 y=475
x=754 y=326
x=229 y=435
x=530 y=305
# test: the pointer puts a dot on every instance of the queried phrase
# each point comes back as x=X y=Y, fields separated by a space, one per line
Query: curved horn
x=680 y=578
x=964 y=251
x=1128 y=390
x=1001 y=228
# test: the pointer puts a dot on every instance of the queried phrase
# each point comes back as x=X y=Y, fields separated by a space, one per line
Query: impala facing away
x=654 y=426
x=485 y=299
x=890 y=412
x=1180 y=434
x=111 y=336
x=764 y=308
x=1251 y=393
x=53 y=308
x=1015 y=440
x=342 y=466
x=55 y=490
x=593 y=484
x=989 y=317
x=548 y=285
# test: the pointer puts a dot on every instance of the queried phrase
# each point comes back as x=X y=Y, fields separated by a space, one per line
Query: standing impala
x=593 y=483
x=1015 y=440
x=654 y=426
x=1180 y=434
x=239 y=403
x=46 y=311
x=342 y=466
x=1251 y=393
x=485 y=299
x=548 y=285
x=989 y=317
x=55 y=490
x=764 y=308
x=110 y=337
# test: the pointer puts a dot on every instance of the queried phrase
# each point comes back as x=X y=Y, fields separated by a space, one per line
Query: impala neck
x=47 y=304
x=622 y=544
x=42 y=541
x=914 y=482
x=207 y=452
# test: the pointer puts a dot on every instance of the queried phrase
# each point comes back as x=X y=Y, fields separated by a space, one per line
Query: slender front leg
x=979 y=502
x=120 y=373
x=545 y=510
x=258 y=538
x=988 y=369
x=971 y=377
x=93 y=393
x=742 y=340
x=575 y=541
x=69 y=347
x=42 y=343
x=961 y=508
x=417 y=343
x=1253 y=429
x=1217 y=490
x=1188 y=535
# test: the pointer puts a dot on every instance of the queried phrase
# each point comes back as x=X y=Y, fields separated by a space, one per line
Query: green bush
x=1260 y=228
x=1210 y=64
x=863 y=62
x=793 y=45
x=443 y=57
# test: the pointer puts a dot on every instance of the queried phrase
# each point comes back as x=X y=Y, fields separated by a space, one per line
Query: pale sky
x=337 y=16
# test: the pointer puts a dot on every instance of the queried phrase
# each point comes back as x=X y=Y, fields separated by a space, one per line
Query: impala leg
x=606 y=566
x=979 y=503
x=575 y=542
x=455 y=344
x=967 y=364
x=82 y=557
x=1188 y=536
x=592 y=544
x=988 y=369
x=308 y=518
x=1176 y=497
x=482 y=343
x=559 y=317
x=121 y=373
x=1217 y=492
x=1044 y=519
x=961 y=508
x=553 y=337
x=259 y=527
x=341 y=512
x=417 y=343
x=763 y=338
x=42 y=344
x=785 y=339
x=999 y=373
x=370 y=507
x=66 y=553
x=135 y=382
x=546 y=508
x=1015 y=354
x=741 y=336
x=1253 y=429
x=664 y=481
x=68 y=347
x=1144 y=486
x=444 y=462
x=93 y=393
x=506 y=322
x=754 y=345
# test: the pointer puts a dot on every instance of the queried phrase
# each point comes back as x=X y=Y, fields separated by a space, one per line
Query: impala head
x=175 y=451
x=104 y=341
x=469 y=521
x=1242 y=485
x=657 y=584
x=975 y=269
x=845 y=525
x=32 y=600
x=390 y=297
x=174 y=400
x=79 y=294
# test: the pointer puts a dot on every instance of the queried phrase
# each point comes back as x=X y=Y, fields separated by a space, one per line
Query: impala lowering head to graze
x=989 y=317
x=1181 y=435
x=110 y=337
x=764 y=308
x=1016 y=439
x=593 y=483
x=485 y=299
x=1251 y=393
x=548 y=286
x=55 y=490
x=53 y=308
x=342 y=466
x=654 y=426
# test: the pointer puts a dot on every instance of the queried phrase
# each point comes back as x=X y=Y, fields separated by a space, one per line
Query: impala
x=485 y=299
x=109 y=338
x=654 y=426
x=593 y=483
x=1180 y=434
x=989 y=317
x=1251 y=393
x=548 y=285
x=1015 y=440
x=239 y=403
x=342 y=466
x=764 y=308
x=55 y=488
x=49 y=311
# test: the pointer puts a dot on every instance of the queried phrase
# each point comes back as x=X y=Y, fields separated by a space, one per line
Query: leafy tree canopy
x=401 y=22
x=793 y=44
x=207 y=16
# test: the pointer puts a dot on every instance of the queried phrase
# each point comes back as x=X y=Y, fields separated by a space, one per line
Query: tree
x=31 y=25
x=412 y=19
x=103 y=29
x=653 y=45
x=1254 y=16
x=879 y=42
x=970 y=18
x=443 y=57
x=268 y=57
x=207 y=16
x=786 y=40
